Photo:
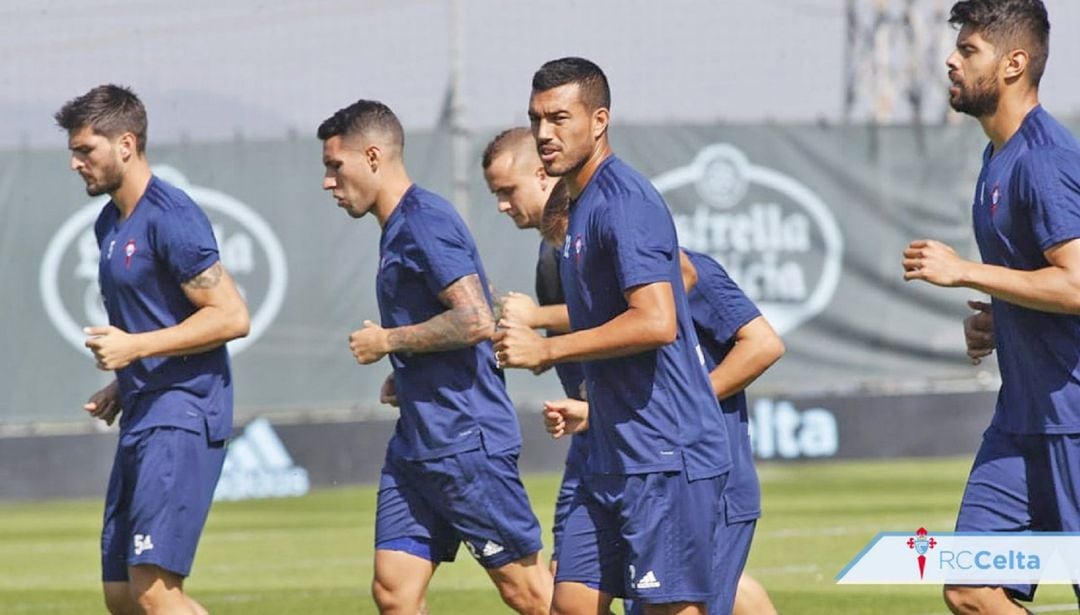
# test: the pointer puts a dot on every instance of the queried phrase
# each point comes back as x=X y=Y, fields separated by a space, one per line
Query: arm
x=220 y=315
x=466 y=322
x=105 y=404
x=648 y=322
x=521 y=308
x=757 y=347
x=1055 y=288
x=566 y=416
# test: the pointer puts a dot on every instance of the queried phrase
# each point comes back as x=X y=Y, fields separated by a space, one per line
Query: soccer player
x=171 y=306
x=1027 y=224
x=451 y=467
x=739 y=345
x=658 y=447
x=521 y=187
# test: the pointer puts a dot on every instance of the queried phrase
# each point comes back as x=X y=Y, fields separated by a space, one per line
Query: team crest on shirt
x=129 y=251
x=995 y=197
x=579 y=246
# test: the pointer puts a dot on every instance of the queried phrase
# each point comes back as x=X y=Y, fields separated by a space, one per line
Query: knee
x=393 y=599
x=524 y=598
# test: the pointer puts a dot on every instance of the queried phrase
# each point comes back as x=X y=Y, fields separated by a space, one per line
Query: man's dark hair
x=109 y=110
x=364 y=117
x=505 y=140
x=591 y=82
x=1008 y=25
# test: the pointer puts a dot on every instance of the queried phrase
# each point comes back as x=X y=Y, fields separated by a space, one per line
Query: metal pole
x=459 y=133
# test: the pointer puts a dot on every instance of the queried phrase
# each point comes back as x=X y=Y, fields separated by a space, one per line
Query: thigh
x=175 y=473
x=1062 y=495
x=481 y=496
x=731 y=550
x=669 y=541
x=116 y=527
x=592 y=552
x=997 y=497
x=576 y=459
x=405 y=522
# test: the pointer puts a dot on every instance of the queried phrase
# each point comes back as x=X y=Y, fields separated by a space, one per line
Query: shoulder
x=618 y=182
x=425 y=207
x=166 y=200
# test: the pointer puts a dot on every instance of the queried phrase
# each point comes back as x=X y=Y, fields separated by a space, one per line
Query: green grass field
x=313 y=555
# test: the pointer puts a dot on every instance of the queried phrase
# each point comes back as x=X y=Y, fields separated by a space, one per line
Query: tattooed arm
x=466 y=322
x=221 y=315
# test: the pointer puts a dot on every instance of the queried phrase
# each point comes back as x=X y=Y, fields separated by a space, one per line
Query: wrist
x=388 y=342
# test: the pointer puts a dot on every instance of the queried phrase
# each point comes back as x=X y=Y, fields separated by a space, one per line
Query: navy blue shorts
x=732 y=548
x=159 y=495
x=643 y=537
x=427 y=508
x=1023 y=483
x=577 y=456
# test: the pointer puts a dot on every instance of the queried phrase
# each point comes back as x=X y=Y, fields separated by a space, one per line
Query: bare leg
x=579 y=599
x=160 y=592
x=400 y=583
x=525 y=585
x=751 y=598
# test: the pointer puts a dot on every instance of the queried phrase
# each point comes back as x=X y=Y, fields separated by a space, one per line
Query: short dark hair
x=502 y=142
x=591 y=81
x=109 y=110
x=1009 y=24
x=363 y=117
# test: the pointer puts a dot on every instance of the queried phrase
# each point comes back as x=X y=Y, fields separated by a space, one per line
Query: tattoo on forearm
x=207 y=279
x=467 y=321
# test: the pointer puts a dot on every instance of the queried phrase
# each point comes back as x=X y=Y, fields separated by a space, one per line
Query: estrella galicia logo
x=249 y=250
x=776 y=238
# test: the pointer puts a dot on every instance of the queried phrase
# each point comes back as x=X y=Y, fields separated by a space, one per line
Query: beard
x=980 y=99
x=111 y=180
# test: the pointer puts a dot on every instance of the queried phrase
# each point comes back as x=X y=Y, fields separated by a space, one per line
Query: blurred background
x=803 y=143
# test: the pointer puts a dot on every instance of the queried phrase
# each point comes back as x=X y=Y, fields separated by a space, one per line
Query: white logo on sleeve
x=647 y=581
x=143 y=543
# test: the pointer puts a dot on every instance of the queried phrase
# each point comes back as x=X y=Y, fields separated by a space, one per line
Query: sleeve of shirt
x=185 y=240
x=641 y=234
x=1048 y=182
x=718 y=305
x=444 y=246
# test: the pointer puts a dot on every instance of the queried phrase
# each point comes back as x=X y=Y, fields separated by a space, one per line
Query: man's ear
x=600 y=119
x=542 y=177
x=1016 y=63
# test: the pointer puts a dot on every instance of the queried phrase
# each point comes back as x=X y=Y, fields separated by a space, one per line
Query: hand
x=979 y=331
x=934 y=262
x=105 y=404
x=519 y=308
x=369 y=344
x=517 y=345
x=566 y=416
x=388 y=392
x=113 y=348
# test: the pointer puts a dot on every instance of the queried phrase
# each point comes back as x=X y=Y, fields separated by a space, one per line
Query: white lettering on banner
x=980 y=558
x=775 y=237
x=777 y=429
x=248 y=246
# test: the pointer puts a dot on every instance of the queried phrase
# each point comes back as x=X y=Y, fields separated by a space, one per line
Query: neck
x=395 y=184
x=576 y=181
x=1003 y=123
x=136 y=178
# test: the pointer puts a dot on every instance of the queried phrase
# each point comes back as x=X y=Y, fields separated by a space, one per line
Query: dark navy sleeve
x=1048 y=182
x=642 y=237
x=184 y=239
x=445 y=250
x=717 y=303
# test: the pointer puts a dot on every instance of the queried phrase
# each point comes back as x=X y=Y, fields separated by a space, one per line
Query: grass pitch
x=314 y=554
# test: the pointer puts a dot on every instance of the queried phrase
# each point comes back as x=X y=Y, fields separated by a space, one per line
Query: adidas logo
x=647 y=581
x=258 y=466
x=488 y=549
